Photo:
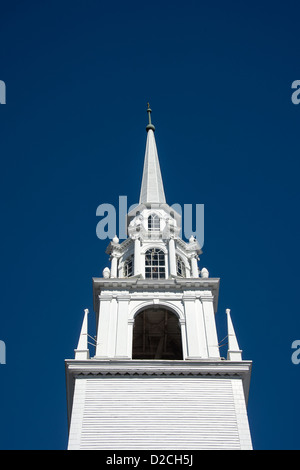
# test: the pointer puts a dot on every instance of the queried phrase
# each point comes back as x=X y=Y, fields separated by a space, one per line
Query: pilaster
x=193 y=350
x=114 y=266
x=172 y=257
x=210 y=325
x=194 y=264
x=122 y=327
x=103 y=325
x=137 y=257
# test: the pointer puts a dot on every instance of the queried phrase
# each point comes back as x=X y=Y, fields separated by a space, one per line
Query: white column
x=188 y=270
x=130 y=337
x=195 y=272
x=203 y=350
x=192 y=339
x=210 y=325
x=183 y=339
x=103 y=325
x=122 y=326
x=112 y=332
x=114 y=266
x=137 y=257
x=172 y=257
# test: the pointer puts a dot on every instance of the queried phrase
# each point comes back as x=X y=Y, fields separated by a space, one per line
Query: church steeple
x=152 y=190
x=157 y=379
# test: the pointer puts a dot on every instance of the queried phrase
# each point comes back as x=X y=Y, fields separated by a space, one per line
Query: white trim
x=142 y=306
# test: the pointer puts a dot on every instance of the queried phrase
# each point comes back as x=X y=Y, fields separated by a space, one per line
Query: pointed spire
x=234 y=353
x=152 y=190
x=82 y=351
x=150 y=125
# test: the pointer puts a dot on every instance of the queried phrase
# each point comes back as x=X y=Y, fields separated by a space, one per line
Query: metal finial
x=150 y=125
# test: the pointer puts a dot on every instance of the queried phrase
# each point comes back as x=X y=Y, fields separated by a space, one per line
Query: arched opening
x=156 y=335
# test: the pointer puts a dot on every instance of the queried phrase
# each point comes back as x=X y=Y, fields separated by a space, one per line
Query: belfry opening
x=157 y=335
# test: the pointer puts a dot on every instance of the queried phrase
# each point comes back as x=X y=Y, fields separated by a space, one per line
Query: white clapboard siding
x=154 y=413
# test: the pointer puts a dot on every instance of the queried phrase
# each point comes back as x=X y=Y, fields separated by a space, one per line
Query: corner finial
x=150 y=125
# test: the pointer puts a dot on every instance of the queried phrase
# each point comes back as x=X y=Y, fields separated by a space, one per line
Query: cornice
x=205 y=368
x=174 y=285
x=161 y=284
x=132 y=367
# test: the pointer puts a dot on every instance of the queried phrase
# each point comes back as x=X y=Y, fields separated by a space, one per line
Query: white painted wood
x=234 y=353
x=172 y=262
x=137 y=256
x=152 y=189
x=103 y=326
x=158 y=413
x=122 y=327
x=241 y=415
x=210 y=325
x=195 y=309
x=191 y=327
x=200 y=325
x=115 y=402
x=82 y=351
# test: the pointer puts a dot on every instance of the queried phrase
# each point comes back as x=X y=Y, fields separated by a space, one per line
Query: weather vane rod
x=150 y=125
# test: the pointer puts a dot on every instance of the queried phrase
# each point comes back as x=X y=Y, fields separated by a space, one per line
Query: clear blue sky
x=72 y=136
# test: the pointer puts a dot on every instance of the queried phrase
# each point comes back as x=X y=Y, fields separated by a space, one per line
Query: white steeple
x=152 y=190
x=157 y=379
x=153 y=225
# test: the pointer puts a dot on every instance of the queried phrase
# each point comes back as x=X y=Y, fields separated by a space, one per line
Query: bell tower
x=157 y=380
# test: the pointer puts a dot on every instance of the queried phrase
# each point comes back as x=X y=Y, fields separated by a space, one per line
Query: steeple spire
x=150 y=125
x=152 y=190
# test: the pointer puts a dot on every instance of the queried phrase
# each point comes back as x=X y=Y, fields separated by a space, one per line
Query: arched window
x=155 y=264
x=180 y=266
x=128 y=267
x=156 y=335
x=153 y=223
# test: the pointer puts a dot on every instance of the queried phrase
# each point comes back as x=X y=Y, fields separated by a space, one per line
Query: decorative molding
x=217 y=369
x=105 y=297
x=123 y=297
x=174 y=288
x=206 y=297
x=189 y=297
x=146 y=303
x=212 y=368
